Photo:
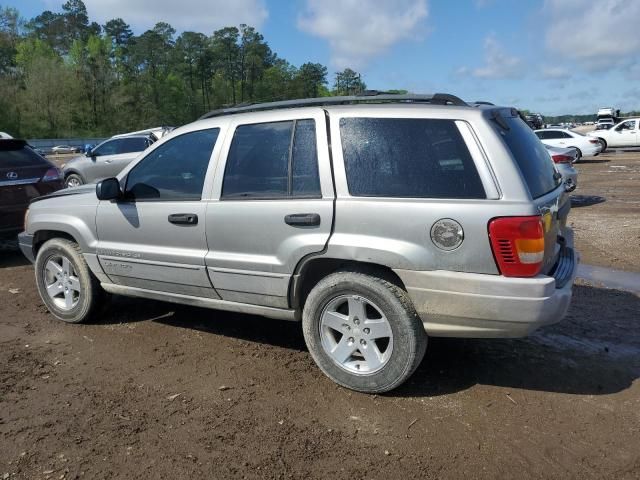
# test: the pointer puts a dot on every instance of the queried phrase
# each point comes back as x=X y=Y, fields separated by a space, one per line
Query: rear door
x=273 y=205
x=155 y=237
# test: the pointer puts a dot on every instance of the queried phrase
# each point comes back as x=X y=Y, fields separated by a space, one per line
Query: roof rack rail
x=368 y=96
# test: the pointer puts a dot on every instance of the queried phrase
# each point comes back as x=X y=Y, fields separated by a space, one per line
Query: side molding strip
x=270 y=312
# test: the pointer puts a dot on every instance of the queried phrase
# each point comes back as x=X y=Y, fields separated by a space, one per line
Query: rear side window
x=175 y=170
x=15 y=154
x=413 y=158
x=273 y=160
x=530 y=155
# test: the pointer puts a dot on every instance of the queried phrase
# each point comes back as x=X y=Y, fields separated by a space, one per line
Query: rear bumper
x=457 y=304
x=25 y=242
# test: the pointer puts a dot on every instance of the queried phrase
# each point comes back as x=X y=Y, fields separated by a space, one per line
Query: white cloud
x=358 y=30
x=497 y=62
x=597 y=34
x=199 y=15
x=555 y=72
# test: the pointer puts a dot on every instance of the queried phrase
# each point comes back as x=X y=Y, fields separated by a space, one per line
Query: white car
x=5 y=135
x=624 y=134
x=606 y=112
x=561 y=138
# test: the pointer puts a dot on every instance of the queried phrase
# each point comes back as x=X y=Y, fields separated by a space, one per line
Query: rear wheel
x=73 y=180
x=64 y=281
x=363 y=332
x=578 y=154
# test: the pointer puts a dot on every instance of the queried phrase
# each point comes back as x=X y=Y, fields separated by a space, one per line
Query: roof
x=368 y=97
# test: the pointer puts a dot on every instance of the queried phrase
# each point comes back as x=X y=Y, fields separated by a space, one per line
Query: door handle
x=108 y=161
x=302 y=219
x=183 y=218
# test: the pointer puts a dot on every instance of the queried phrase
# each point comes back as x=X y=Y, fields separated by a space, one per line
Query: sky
x=549 y=56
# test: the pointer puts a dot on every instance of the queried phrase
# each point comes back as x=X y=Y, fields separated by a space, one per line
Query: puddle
x=610 y=278
x=586 y=345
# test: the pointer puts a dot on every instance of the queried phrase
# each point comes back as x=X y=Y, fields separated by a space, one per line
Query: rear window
x=530 y=155
x=408 y=157
x=15 y=154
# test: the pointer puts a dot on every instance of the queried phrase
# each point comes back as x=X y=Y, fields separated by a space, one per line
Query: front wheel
x=64 y=281
x=603 y=143
x=73 y=180
x=363 y=332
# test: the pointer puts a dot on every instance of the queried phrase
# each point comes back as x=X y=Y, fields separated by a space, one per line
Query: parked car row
x=563 y=138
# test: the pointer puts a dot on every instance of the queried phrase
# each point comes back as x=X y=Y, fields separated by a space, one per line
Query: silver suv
x=375 y=221
x=105 y=160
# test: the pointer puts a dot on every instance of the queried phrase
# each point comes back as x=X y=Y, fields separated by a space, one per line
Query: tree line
x=63 y=75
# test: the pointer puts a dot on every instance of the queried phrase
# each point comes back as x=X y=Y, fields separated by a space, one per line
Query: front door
x=625 y=134
x=273 y=205
x=154 y=238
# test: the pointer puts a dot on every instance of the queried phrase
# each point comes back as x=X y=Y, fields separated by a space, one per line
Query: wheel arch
x=313 y=269
x=41 y=236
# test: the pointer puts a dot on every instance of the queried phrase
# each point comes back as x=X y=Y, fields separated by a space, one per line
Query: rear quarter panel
x=396 y=231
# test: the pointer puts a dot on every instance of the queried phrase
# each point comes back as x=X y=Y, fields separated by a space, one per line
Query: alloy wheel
x=355 y=334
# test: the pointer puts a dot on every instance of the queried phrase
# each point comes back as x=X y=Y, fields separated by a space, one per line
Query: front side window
x=628 y=125
x=131 y=145
x=273 y=160
x=175 y=170
x=405 y=157
x=111 y=147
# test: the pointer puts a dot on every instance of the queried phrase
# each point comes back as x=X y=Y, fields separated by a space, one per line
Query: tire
x=73 y=180
x=579 y=154
x=342 y=297
x=603 y=142
x=79 y=293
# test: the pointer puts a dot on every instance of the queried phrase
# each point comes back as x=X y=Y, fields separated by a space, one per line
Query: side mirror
x=108 y=189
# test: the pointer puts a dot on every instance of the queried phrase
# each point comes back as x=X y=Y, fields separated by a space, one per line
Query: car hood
x=67 y=192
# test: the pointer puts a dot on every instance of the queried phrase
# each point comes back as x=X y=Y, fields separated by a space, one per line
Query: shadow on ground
x=586 y=200
x=10 y=256
x=594 y=351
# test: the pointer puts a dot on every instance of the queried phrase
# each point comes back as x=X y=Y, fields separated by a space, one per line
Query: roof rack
x=368 y=96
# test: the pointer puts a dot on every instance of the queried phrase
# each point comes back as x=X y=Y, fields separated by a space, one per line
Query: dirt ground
x=606 y=210
x=153 y=390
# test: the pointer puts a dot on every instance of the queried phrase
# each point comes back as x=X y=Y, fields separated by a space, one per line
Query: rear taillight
x=593 y=140
x=518 y=245
x=52 y=175
x=561 y=158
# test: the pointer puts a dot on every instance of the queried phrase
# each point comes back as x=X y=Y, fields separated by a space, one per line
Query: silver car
x=564 y=158
x=375 y=221
x=105 y=160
